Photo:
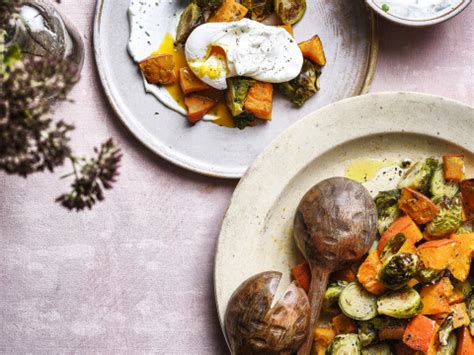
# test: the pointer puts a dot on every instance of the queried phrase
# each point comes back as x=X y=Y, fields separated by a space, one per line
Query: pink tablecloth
x=135 y=274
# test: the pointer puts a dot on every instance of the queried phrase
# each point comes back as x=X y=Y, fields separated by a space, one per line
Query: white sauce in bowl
x=418 y=9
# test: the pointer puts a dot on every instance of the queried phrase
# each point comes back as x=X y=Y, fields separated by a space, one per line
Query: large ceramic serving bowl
x=409 y=15
x=256 y=233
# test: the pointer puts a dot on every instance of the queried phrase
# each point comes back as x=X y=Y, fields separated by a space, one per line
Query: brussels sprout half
x=189 y=20
x=290 y=11
x=418 y=177
x=400 y=304
x=387 y=209
x=398 y=270
x=237 y=90
x=356 y=303
x=344 y=344
x=377 y=349
x=331 y=297
x=449 y=218
x=439 y=187
x=392 y=247
x=367 y=333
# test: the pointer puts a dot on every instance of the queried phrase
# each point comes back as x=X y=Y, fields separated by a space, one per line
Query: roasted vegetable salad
x=412 y=293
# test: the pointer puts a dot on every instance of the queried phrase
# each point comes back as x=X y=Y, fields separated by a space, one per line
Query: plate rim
x=417 y=96
x=107 y=90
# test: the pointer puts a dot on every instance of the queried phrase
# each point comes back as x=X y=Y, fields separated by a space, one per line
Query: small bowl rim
x=418 y=23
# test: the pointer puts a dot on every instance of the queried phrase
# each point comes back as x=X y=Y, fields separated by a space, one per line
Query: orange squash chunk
x=438 y=254
x=302 y=274
x=421 y=333
x=189 y=82
x=343 y=324
x=467 y=193
x=461 y=262
x=324 y=336
x=465 y=343
x=404 y=225
x=229 y=11
x=312 y=49
x=159 y=69
x=368 y=274
x=435 y=298
x=419 y=207
x=259 y=100
x=460 y=317
x=198 y=106
x=453 y=166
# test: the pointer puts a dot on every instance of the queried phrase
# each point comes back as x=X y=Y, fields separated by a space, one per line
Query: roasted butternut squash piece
x=259 y=100
x=467 y=193
x=438 y=254
x=324 y=336
x=456 y=297
x=343 y=324
x=460 y=317
x=368 y=274
x=229 y=11
x=419 y=207
x=312 y=49
x=302 y=274
x=404 y=225
x=435 y=298
x=189 y=82
x=461 y=262
x=453 y=167
x=421 y=333
x=159 y=69
x=465 y=343
x=198 y=106
x=402 y=349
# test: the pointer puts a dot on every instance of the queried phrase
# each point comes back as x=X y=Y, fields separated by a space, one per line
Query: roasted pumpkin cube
x=421 y=333
x=467 y=193
x=259 y=100
x=435 y=298
x=324 y=336
x=343 y=324
x=419 y=207
x=453 y=167
x=368 y=274
x=198 y=106
x=460 y=316
x=438 y=254
x=461 y=262
x=159 y=69
x=189 y=82
x=229 y=11
x=313 y=50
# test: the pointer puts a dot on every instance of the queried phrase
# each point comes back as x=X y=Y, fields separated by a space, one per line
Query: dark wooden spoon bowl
x=335 y=224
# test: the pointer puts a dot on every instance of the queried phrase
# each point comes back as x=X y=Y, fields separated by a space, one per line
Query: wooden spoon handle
x=319 y=280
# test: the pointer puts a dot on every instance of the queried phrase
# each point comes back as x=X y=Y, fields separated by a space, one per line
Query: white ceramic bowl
x=414 y=16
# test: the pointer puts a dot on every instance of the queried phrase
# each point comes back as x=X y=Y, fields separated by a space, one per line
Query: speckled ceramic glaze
x=348 y=32
x=418 y=13
x=256 y=233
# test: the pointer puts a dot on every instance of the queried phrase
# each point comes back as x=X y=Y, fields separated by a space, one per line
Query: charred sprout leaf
x=331 y=297
x=290 y=11
x=392 y=247
x=387 y=209
x=209 y=4
x=237 y=90
x=428 y=276
x=449 y=218
x=92 y=176
x=259 y=10
x=304 y=86
x=189 y=20
x=446 y=328
x=348 y=344
x=243 y=120
x=398 y=270
x=418 y=177
x=367 y=333
x=440 y=188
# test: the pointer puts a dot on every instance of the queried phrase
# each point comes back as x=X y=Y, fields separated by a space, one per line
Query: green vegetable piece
x=259 y=10
x=237 y=90
x=392 y=247
x=304 y=86
x=356 y=303
x=387 y=209
x=12 y=55
x=450 y=347
x=377 y=349
x=398 y=270
x=446 y=329
x=418 y=177
x=449 y=218
x=428 y=276
x=189 y=20
x=331 y=297
x=367 y=333
x=243 y=120
x=209 y=4
x=385 y=7
x=344 y=344
x=290 y=11
x=439 y=187
x=470 y=311
x=466 y=228
x=400 y=304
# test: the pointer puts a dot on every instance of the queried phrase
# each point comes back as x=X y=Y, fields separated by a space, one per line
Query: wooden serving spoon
x=335 y=224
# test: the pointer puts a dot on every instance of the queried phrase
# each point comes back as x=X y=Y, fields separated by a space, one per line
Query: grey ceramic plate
x=347 y=29
x=256 y=234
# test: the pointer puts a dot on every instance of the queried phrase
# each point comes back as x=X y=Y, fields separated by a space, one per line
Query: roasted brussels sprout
x=439 y=187
x=387 y=209
x=304 y=86
x=418 y=177
x=377 y=349
x=400 y=304
x=448 y=219
x=450 y=347
x=367 y=333
x=243 y=120
x=470 y=311
x=398 y=270
x=392 y=247
x=446 y=329
x=290 y=11
x=259 y=10
x=237 y=90
x=209 y=4
x=466 y=228
x=356 y=303
x=331 y=297
x=189 y=20
x=344 y=344
x=428 y=276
